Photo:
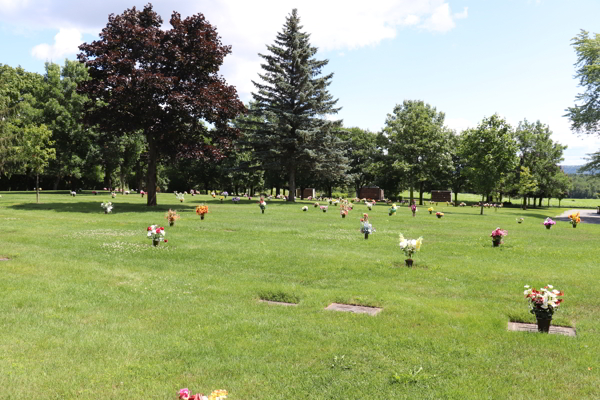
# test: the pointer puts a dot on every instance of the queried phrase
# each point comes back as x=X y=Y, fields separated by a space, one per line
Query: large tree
x=490 y=154
x=417 y=143
x=163 y=83
x=291 y=105
x=540 y=155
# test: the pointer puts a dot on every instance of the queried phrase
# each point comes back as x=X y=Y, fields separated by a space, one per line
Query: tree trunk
x=37 y=188
x=122 y=178
x=151 y=174
x=540 y=202
x=421 y=184
x=330 y=190
x=277 y=191
x=56 y=182
x=455 y=199
x=524 y=203
x=292 y=183
x=301 y=192
x=482 y=198
x=412 y=193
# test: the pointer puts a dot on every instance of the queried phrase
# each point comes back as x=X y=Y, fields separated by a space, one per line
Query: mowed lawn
x=90 y=309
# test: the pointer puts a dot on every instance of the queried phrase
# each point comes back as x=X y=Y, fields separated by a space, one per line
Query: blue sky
x=470 y=59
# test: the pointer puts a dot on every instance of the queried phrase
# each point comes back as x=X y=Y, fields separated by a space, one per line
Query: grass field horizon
x=91 y=309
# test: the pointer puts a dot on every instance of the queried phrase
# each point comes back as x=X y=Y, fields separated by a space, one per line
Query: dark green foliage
x=290 y=131
x=163 y=83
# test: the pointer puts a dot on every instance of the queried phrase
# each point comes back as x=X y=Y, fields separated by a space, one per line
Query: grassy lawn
x=90 y=309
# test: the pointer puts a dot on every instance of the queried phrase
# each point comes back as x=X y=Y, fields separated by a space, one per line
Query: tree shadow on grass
x=94 y=208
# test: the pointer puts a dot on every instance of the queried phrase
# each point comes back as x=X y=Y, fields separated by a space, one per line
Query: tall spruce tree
x=291 y=132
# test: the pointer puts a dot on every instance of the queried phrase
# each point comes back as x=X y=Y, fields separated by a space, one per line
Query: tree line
x=145 y=107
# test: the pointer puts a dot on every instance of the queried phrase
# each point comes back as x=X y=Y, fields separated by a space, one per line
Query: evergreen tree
x=291 y=131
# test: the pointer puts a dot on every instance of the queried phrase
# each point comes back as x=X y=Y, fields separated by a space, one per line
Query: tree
x=490 y=153
x=585 y=117
x=62 y=110
x=416 y=143
x=163 y=83
x=35 y=152
x=561 y=185
x=361 y=152
x=291 y=130
x=540 y=155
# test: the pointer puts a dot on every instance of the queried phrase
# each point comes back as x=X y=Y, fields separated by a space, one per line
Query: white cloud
x=248 y=26
x=440 y=20
x=66 y=42
x=462 y=15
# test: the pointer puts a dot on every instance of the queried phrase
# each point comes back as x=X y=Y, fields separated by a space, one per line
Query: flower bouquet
x=304 y=208
x=366 y=227
x=213 y=194
x=94 y=192
x=343 y=210
x=324 y=208
x=431 y=210
x=108 y=206
x=548 y=223
x=316 y=204
x=393 y=209
x=520 y=220
x=142 y=193
x=439 y=214
x=113 y=194
x=543 y=303
x=225 y=194
x=157 y=234
x=369 y=205
x=497 y=235
x=235 y=199
x=172 y=216
x=462 y=204
x=262 y=204
x=201 y=211
x=413 y=208
x=219 y=394
x=180 y=197
x=574 y=219
x=221 y=198
x=410 y=247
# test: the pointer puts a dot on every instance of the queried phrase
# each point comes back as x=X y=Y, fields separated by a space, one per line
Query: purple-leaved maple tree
x=164 y=83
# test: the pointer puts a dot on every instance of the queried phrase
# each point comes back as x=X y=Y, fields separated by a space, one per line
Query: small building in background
x=307 y=192
x=441 y=195
x=371 y=192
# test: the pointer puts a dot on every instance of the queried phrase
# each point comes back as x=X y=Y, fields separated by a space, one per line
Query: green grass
x=90 y=309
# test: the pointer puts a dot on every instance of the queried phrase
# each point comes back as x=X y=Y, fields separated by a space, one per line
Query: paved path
x=587 y=216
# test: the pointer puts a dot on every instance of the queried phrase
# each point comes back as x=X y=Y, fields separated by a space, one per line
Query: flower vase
x=105 y=211
x=414 y=213
x=544 y=324
x=574 y=225
x=439 y=216
x=263 y=211
x=520 y=222
x=548 y=226
x=409 y=262
x=201 y=216
x=324 y=210
x=171 y=223
x=430 y=212
x=343 y=215
x=366 y=235
x=155 y=242
x=495 y=243
x=316 y=206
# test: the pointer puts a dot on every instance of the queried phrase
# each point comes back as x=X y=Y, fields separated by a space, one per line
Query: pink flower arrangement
x=497 y=235
x=219 y=394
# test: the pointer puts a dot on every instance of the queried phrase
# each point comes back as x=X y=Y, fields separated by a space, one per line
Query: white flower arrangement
x=108 y=206
x=304 y=208
x=410 y=246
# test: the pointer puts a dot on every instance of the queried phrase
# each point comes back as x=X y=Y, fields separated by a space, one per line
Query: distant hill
x=572 y=169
